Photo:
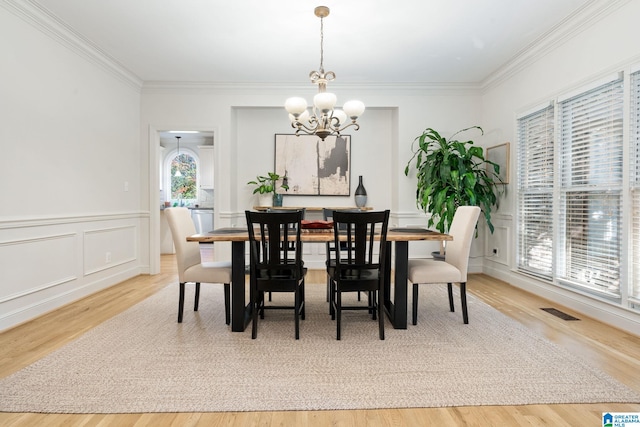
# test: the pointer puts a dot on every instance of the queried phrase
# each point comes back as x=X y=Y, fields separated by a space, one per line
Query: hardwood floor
x=612 y=350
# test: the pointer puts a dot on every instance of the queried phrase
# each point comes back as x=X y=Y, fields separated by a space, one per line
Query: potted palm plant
x=267 y=185
x=452 y=173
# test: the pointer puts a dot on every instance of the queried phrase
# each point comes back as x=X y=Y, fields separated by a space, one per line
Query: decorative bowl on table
x=316 y=226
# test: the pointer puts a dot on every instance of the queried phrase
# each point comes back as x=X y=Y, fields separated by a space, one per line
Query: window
x=535 y=193
x=634 y=140
x=570 y=191
x=590 y=199
x=184 y=189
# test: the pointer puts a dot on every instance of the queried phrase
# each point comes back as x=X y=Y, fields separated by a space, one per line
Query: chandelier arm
x=304 y=131
x=301 y=127
x=355 y=125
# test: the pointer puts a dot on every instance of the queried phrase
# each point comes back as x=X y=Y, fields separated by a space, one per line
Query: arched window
x=184 y=186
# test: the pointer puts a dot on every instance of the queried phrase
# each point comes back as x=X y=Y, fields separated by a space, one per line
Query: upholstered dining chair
x=275 y=266
x=360 y=265
x=453 y=269
x=191 y=269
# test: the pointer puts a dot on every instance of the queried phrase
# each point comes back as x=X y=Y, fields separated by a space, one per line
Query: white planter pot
x=265 y=200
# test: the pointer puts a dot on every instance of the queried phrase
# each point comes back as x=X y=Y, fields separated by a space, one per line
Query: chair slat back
x=366 y=235
x=274 y=239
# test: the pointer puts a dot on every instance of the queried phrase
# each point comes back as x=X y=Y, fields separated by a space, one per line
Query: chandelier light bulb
x=304 y=117
x=295 y=105
x=325 y=101
x=353 y=109
x=341 y=116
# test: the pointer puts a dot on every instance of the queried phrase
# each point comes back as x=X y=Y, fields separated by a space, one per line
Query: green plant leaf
x=451 y=173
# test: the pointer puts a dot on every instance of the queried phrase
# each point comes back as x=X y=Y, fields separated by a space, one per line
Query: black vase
x=361 y=194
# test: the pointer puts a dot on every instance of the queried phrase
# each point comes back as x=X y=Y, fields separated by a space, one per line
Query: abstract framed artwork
x=314 y=167
x=499 y=154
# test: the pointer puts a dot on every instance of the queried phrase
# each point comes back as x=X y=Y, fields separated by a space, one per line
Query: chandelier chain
x=321 y=45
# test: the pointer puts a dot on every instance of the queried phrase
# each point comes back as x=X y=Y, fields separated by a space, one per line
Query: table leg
x=397 y=308
x=239 y=316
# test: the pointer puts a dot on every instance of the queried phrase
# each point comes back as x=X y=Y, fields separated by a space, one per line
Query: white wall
x=70 y=142
x=246 y=121
x=567 y=62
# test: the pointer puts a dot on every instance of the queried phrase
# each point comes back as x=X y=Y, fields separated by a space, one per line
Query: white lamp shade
x=302 y=118
x=354 y=109
x=324 y=101
x=295 y=105
x=340 y=115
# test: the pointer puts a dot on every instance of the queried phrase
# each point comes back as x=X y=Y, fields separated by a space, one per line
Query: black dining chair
x=360 y=266
x=280 y=209
x=327 y=215
x=275 y=266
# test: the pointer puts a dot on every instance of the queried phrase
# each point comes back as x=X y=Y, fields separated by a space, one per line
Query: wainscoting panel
x=51 y=262
x=498 y=246
x=108 y=247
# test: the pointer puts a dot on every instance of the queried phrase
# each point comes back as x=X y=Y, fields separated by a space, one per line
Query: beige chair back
x=463 y=230
x=182 y=226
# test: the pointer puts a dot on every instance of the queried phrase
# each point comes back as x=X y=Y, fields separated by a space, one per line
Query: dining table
x=395 y=303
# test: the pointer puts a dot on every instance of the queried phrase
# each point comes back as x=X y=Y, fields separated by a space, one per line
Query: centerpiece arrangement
x=267 y=185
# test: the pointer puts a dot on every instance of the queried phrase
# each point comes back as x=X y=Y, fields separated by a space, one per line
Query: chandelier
x=324 y=120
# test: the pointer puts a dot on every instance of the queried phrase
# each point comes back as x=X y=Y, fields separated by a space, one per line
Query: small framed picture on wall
x=499 y=154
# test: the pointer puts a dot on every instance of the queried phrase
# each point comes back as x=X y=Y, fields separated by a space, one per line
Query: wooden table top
x=393 y=235
x=310 y=208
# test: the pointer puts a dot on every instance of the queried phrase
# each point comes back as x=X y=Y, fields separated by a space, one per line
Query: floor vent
x=560 y=314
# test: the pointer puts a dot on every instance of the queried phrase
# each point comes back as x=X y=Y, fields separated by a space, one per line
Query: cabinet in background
x=206 y=167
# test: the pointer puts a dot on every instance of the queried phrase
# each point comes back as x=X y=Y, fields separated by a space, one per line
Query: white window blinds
x=535 y=193
x=634 y=140
x=591 y=147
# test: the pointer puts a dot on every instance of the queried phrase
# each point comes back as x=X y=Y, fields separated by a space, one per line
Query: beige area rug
x=143 y=361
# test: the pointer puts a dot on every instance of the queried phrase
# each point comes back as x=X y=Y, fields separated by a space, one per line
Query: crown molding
x=582 y=19
x=40 y=18
x=381 y=88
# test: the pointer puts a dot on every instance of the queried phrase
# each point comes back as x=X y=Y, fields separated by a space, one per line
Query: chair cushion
x=432 y=271
x=209 y=272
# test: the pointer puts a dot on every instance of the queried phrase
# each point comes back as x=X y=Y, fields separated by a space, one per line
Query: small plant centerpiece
x=267 y=185
x=452 y=173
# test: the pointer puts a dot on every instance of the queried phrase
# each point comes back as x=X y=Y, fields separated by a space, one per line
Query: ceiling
x=259 y=41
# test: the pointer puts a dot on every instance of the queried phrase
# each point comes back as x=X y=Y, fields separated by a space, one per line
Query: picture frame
x=499 y=154
x=314 y=167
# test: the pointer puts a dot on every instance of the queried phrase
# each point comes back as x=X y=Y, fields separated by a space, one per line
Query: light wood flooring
x=612 y=350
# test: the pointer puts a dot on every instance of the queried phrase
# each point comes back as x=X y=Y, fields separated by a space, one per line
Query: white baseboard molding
x=41 y=307
x=604 y=312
